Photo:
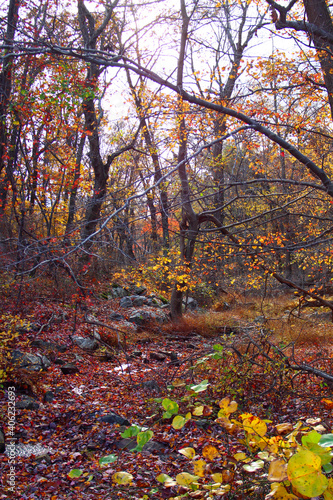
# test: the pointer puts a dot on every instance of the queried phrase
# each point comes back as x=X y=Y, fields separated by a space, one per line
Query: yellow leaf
x=240 y=456
x=277 y=471
x=210 y=452
x=185 y=479
x=122 y=478
x=217 y=477
x=227 y=407
x=187 y=452
x=199 y=467
x=284 y=428
x=198 y=411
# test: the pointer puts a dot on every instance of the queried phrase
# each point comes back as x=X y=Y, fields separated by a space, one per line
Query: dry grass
x=278 y=314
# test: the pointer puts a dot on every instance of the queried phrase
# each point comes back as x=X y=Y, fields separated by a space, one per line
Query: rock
x=137 y=354
x=59 y=361
x=27 y=404
x=69 y=368
x=157 y=356
x=114 y=316
x=190 y=303
x=151 y=386
x=125 y=302
x=48 y=397
x=117 y=291
x=138 y=290
x=48 y=346
x=143 y=316
x=128 y=444
x=30 y=361
x=113 y=418
x=138 y=301
x=85 y=343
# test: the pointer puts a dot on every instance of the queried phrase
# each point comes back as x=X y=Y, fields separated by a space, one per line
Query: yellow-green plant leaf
x=199 y=467
x=199 y=387
x=277 y=471
x=185 y=478
x=304 y=473
x=198 y=411
x=171 y=407
x=210 y=452
x=187 y=452
x=122 y=478
x=161 y=478
x=74 y=473
x=143 y=438
x=108 y=459
x=178 y=422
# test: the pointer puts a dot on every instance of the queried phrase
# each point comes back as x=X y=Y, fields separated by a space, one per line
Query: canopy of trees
x=188 y=142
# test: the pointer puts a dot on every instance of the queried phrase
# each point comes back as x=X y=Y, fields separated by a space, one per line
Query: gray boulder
x=85 y=343
x=28 y=361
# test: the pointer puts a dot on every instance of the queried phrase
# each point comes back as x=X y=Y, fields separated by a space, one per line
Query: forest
x=166 y=258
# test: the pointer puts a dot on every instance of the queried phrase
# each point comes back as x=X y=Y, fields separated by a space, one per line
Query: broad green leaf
x=122 y=478
x=108 y=459
x=75 y=473
x=218 y=347
x=326 y=440
x=178 y=422
x=170 y=406
x=328 y=468
x=185 y=479
x=200 y=387
x=187 y=452
x=254 y=466
x=310 y=438
x=310 y=441
x=161 y=478
x=131 y=431
x=304 y=473
x=143 y=438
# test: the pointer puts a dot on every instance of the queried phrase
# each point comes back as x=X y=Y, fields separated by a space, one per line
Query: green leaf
x=131 y=431
x=328 y=468
x=161 y=478
x=108 y=459
x=143 y=438
x=170 y=406
x=326 y=440
x=75 y=473
x=218 y=347
x=199 y=387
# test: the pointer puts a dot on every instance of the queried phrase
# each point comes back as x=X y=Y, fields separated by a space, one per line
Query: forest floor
x=132 y=383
